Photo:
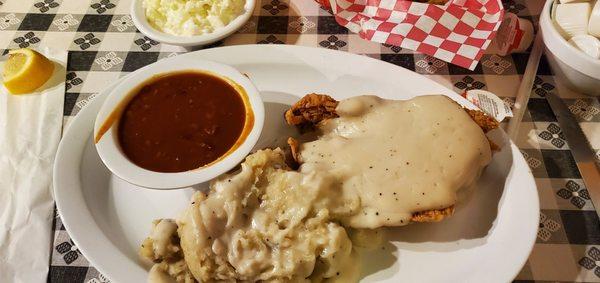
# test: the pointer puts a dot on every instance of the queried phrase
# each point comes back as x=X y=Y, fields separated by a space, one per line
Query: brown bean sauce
x=183 y=121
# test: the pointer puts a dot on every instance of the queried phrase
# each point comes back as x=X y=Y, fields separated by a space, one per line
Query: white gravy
x=267 y=223
x=398 y=156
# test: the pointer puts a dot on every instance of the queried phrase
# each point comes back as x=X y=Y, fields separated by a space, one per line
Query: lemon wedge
x=26 y=70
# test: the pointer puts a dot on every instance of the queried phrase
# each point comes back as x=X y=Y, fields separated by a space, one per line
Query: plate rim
x=63 y=151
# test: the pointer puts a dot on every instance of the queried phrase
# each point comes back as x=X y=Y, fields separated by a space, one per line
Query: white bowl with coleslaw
x=190 y=33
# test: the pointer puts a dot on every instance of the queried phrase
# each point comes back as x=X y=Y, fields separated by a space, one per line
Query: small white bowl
x=577 y=70
x=114 y=158
x=141 y=23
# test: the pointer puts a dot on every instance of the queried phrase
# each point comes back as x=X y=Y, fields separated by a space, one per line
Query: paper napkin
x=30 y=130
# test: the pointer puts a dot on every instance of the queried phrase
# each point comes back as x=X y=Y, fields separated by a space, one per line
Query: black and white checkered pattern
x=104 y=45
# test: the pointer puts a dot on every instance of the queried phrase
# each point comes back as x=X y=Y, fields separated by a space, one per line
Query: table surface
x=104 y=45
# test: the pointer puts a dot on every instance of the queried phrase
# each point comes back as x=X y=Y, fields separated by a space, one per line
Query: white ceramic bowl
x=577 y=70
x=113 y=157
x=141 y=23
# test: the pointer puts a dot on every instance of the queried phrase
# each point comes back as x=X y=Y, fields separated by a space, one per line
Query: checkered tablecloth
x=104 y=45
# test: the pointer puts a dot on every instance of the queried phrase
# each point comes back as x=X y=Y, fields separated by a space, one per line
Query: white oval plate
x=487 y=240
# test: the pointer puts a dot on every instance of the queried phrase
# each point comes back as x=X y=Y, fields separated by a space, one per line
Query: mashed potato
x=191 y=17
x=263 y=223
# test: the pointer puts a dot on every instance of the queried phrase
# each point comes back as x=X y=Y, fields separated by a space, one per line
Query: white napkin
x=30 y=129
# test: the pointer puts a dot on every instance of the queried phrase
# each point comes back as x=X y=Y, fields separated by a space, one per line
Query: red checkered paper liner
x=457 y=32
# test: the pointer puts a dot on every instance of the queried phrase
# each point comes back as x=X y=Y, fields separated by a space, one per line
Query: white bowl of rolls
x=571 y=32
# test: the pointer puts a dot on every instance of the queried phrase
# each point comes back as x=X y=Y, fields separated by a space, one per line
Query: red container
x=325 y=4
